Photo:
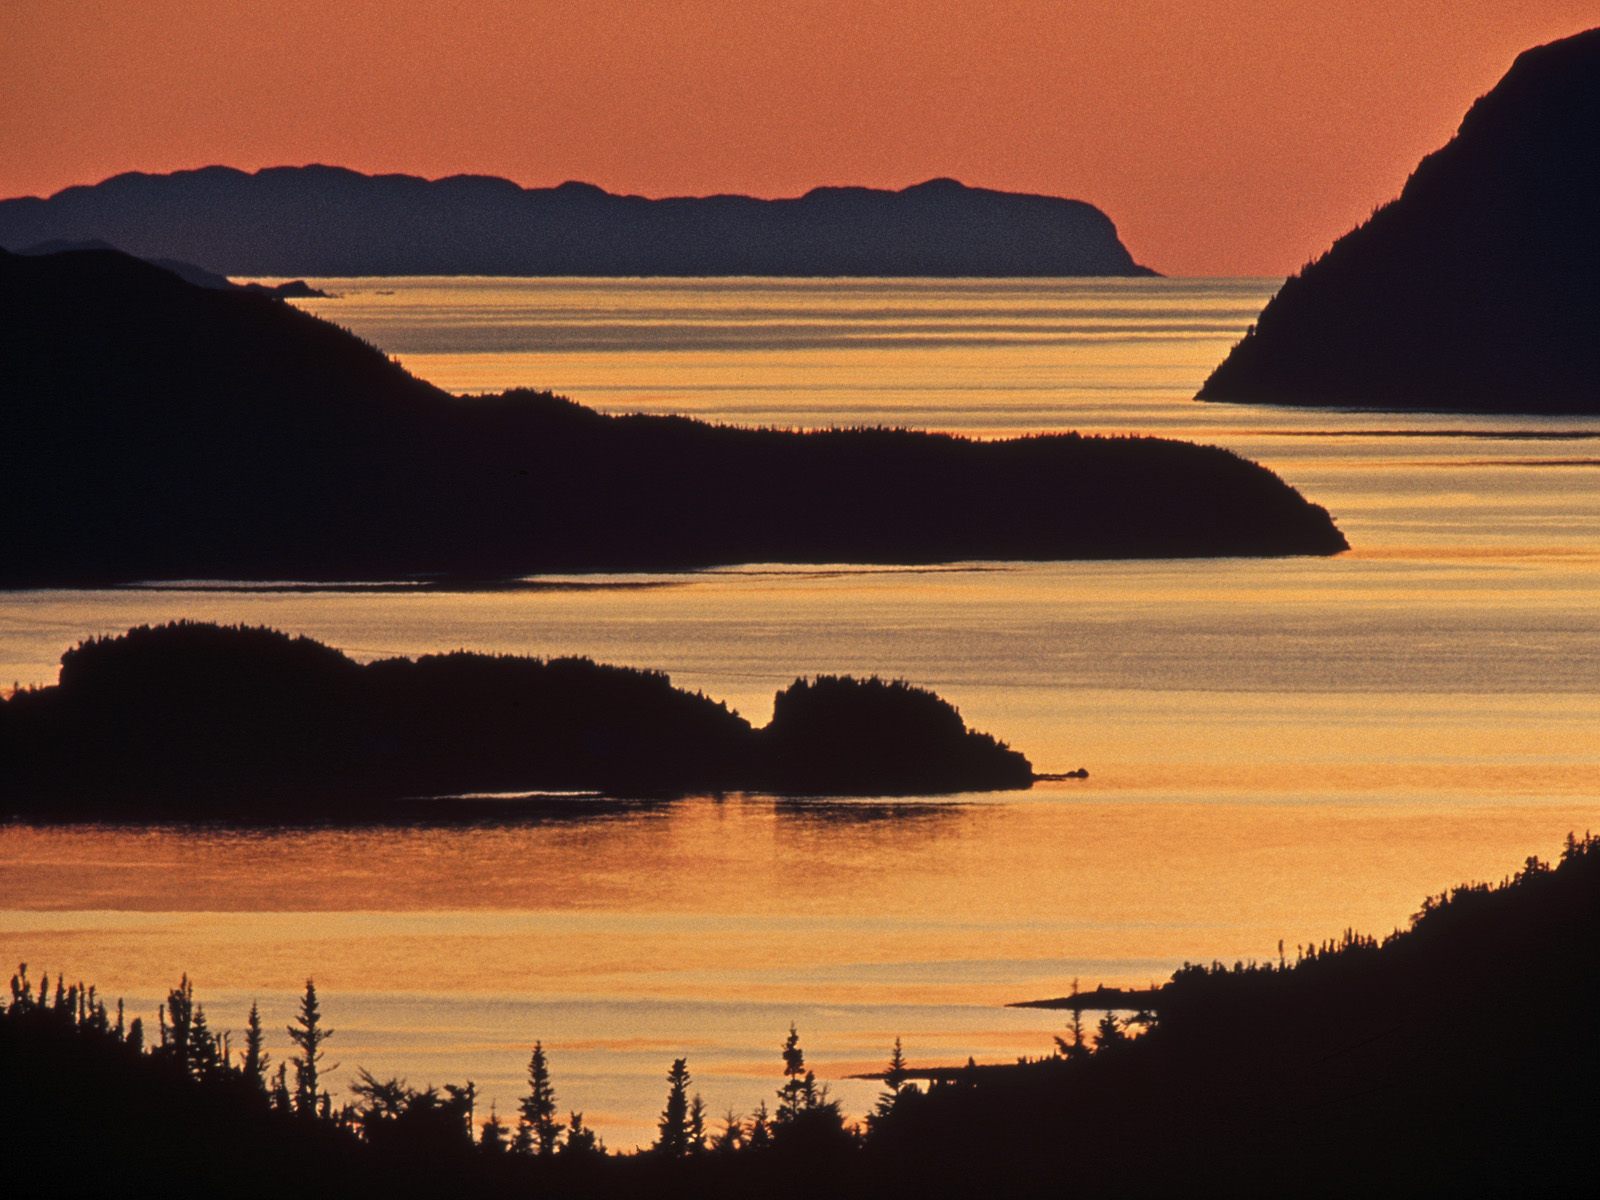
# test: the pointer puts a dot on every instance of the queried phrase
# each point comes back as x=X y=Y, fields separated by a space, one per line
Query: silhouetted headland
x=1456 y=1058
x=198 y=720
x=156 y=430
x=188 y=272
x=320 y=220
x=1477 y=289
x=1111 y=999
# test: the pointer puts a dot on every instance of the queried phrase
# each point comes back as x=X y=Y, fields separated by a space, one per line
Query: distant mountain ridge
x=1478 y=290
x=323 y=220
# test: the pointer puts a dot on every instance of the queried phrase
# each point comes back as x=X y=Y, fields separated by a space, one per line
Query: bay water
x=1277 y=749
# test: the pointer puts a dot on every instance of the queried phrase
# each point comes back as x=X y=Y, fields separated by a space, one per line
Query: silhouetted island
x=1477 y=289
x=296 y=289
x=155 y=430
x=191 y=719
x=1456 y=1058
x=320 y=220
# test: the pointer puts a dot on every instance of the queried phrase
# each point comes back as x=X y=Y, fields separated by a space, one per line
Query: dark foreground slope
x=195 y=720
x=320 y=220
x=1477 y=290
x=157 y=430
x=1456 y=1059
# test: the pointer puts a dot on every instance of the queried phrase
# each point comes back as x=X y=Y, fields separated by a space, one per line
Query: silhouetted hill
x=186 y=271
x=1476 y=290
x=202 y=720
x=1457 y=1058
x=319 y=220
x=156 y=430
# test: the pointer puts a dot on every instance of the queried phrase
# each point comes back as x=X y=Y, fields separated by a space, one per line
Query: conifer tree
x=760 y=1136
x=674 y=1125
x=308 y=1034
x=254 y=1066
x=1075 y=1045
x=539 y=1105
x=894 y=1079
x=697 y=1124
x=731 y=1136
x=799 y=1091
x=581 y=1140
x=1109 y=1034
x=205 y=1058
x=281 y=1099
x=496 y=1138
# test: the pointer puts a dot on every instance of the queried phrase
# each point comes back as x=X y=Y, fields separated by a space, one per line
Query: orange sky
x=1225 y=137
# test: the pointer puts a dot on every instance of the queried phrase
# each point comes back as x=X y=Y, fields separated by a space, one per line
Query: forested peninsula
x=157 y=430
x=1477 y=289
x=1454 y=1058
x=199 y=721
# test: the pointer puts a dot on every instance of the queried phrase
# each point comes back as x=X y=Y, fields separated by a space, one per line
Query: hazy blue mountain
x=1478 y=290
x=320 y=220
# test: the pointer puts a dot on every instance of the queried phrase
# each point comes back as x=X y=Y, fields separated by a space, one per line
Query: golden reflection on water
x=705 y=925
x=1278 y=749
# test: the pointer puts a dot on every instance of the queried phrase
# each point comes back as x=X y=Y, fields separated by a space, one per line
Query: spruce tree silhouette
x=539 y=1130
x=308 y=1034
x=673 y=1137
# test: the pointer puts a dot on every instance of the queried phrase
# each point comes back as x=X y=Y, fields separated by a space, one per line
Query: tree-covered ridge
x=1455 y=1058
x=164 y=431
x=192 y=719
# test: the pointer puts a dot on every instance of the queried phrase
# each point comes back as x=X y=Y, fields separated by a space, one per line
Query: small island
x=164 y=431
x=192 y=720
x=1476 y=290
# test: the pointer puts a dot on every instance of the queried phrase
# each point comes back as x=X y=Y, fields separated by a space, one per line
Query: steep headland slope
x=156 y=430
x=320 y=220
x=199 y=720
x=1478 y=289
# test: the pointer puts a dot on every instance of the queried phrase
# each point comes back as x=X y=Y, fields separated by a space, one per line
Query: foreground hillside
x=156 y=430
x=1477 y=289
x=319 y=220
x=1457 y=1058
x=197 y=720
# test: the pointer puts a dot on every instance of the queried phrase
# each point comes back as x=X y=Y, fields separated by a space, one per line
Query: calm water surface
x=1277 y=749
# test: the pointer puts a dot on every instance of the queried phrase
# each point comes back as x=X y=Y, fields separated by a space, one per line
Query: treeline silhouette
x=1475 y=290
x=1454 y=1058
x=156 y=430
x=323 y=220
x=193 y=719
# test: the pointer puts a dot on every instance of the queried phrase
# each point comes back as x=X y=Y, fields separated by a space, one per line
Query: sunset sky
x=1223 y=136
